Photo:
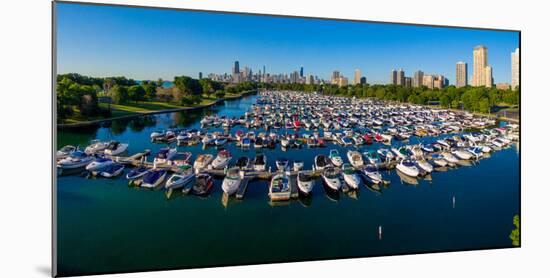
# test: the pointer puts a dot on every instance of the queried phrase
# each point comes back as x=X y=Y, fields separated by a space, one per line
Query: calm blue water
x=106 y=226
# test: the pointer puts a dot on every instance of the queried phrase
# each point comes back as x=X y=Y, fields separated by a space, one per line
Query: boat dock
x=242 y=188
x=293 y=179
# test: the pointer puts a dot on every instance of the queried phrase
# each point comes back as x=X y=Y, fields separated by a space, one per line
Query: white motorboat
x=279 y=189
x=321 y=162
x=65 y=152
x=259 y=162
x=450 y=158
x=231 y=181
x=99 y=164
x=355 y=158
x=331 y=178
x=112 y=170
x=222 y=159
x=439 y=160
x=96 y=147
x=462 y=154
x=476 y=152
x=115 y=148
x=281 y=163
x=424 y=166
x=408 y=168
x=153 y=178
x=76 y=159
x=335 y=158
x=371 y=174
x=164 y=156
x=202 y=161
x=179 y=180
x=350 y=176
x=305 y=182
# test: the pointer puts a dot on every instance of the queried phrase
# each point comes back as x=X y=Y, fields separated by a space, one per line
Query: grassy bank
x=143 y=107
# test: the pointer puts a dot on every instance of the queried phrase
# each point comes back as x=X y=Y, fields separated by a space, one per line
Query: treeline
x=478 y=99
x=78 y=95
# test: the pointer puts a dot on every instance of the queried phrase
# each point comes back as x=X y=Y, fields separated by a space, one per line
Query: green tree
x=119 y=94
x=136 y=93
x=219 y=94
x=187 y=86
x=515 y=234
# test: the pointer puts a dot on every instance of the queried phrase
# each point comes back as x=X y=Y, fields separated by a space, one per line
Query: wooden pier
x=242 y=188
x=293 y=179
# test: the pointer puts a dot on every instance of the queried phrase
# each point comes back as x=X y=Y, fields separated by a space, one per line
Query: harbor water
x=103 y=225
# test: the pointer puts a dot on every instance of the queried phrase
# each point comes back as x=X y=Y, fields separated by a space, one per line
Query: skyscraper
x=236 y=67
x=400 y=79
x=357 y=77
x=418 y=79
x=515 y=69
x=363 y=80
x=488 y=77
x=480 y=65
x=301 y=71
x=200 y=75
x=335 y=77
x=236 y=73
x=461 y=74
x=407 y=82
x=393 y=77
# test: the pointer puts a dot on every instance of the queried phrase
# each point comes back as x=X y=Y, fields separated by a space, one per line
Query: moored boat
x=153 y=178
x=203 y=184
x=231 y=181
x=408 y=167
x=279 y=188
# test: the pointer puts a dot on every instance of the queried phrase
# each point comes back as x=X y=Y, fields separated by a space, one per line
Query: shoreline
x=138 y=114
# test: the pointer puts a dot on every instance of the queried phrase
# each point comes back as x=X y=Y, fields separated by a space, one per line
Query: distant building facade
x=418 y=79
x=515 y=69
x=483 y=73
x=357 y=77
x=461 y=74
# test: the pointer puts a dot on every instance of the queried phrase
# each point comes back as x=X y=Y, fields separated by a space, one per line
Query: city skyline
x=186 y=43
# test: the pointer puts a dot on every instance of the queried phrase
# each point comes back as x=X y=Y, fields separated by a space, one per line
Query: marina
x=279 y=118
x=451 y=164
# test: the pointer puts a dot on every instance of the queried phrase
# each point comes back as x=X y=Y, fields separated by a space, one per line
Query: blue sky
x=151 y=43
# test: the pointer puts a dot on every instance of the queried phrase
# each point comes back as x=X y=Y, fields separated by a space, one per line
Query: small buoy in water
x=454 y=201
x=379 y=232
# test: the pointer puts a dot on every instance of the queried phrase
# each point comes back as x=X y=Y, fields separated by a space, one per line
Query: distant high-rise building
x=461 y=74
x=400 y=79
x=480 y=65
x=200 y=75
x=489 y=77
x=342 y=81
x=236 y=67
x=428 y=81
x=294 y=77
x=301 y=71
x=363 y=80
x=335 y=77
x=357 y=77
x=407 y=82
x=515 y=69
x=310 y=80
x=264 y=71
x=236 y=72
x=393 y=77
x=418 y=79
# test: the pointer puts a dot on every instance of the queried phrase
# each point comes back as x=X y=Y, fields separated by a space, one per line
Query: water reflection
x=406 y=179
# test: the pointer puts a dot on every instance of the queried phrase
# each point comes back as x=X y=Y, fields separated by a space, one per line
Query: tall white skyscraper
x=480 y=63
x=357 y=77
x=515 y=69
